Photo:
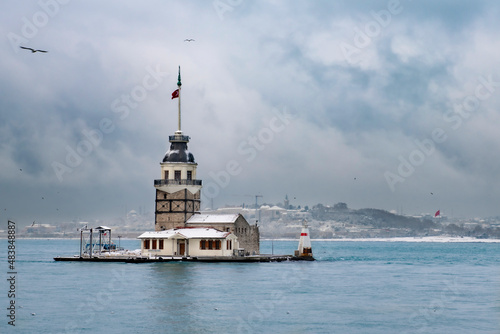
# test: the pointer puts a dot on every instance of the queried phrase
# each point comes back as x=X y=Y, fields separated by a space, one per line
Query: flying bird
x=189 y=40
x=32 y=50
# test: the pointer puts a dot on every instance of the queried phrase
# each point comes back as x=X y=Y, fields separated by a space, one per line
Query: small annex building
x=188 y=242
x=248 y=235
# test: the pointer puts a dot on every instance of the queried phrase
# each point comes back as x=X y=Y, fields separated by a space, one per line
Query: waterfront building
x=188 y=242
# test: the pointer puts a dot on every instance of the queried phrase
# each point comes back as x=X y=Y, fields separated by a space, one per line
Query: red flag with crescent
x=438 y=212
x=175 y=94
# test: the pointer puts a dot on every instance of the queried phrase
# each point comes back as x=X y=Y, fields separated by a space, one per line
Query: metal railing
x=178 y=138
x=178 y=182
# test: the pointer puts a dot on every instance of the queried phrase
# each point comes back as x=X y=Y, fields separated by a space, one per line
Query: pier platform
x=142 y=259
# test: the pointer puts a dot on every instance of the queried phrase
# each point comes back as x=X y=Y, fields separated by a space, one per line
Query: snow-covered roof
x=211 y=219
x=103 y=228
x=185 y=233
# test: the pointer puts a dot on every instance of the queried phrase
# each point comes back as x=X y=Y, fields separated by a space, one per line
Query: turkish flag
x=438 y=212
x=175 y=94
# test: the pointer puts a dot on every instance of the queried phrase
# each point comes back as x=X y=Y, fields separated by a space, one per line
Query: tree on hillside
x=340 y=207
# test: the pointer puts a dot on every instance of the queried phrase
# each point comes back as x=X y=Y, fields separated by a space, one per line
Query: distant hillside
x=373 y=217
x=384 y=219
x=340 y=221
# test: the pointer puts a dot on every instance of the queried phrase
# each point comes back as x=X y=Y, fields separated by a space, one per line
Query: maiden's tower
x=181 y=232
x=178 y=194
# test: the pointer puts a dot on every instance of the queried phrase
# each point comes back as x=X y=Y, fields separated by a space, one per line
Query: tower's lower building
x=173 y=209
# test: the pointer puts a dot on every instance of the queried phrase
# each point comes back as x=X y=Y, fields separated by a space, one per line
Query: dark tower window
x=177 y=175
x=166 y=175
x=189 y=175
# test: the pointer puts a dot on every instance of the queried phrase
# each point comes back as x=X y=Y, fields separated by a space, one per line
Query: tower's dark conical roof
x=178 y=151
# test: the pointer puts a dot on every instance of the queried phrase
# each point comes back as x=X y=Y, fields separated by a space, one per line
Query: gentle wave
x=417 y=239
x=399 y=239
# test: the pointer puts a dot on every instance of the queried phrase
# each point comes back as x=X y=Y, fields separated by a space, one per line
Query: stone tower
x=177 y=191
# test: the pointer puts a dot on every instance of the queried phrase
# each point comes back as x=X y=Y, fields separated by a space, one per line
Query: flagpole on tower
x=179 y=87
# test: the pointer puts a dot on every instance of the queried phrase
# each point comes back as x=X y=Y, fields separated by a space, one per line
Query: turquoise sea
x=353 y=287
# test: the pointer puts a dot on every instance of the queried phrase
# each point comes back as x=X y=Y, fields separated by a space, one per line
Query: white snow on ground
x=418 y=239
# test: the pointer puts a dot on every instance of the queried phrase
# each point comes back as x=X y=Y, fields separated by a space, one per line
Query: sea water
x=353 y=287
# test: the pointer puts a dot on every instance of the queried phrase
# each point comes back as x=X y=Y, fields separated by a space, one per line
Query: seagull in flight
x=32 y=50
x=189 y=40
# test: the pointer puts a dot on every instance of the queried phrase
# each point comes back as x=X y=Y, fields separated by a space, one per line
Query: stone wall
x=248 y=235
x=172 y=210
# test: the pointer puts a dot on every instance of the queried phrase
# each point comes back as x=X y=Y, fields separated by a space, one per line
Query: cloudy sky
x=380 y=104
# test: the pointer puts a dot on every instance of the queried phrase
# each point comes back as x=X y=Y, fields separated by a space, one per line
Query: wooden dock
x=142 y=259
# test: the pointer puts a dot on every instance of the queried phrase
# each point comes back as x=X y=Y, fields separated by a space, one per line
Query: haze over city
x=383 y=104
